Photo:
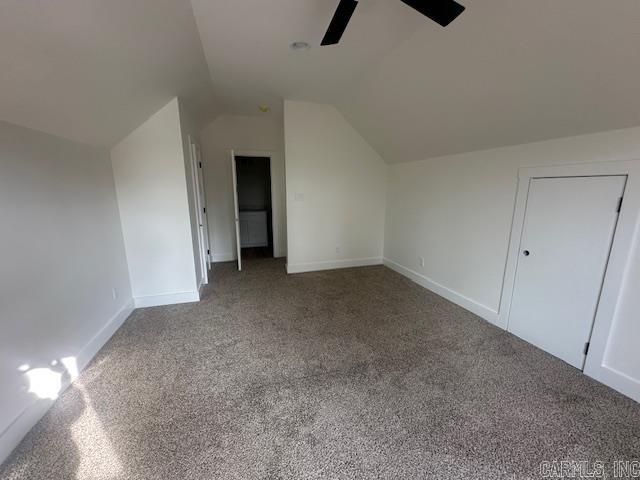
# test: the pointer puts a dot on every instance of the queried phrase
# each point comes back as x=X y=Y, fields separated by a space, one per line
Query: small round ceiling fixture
x=299 y=46
x=264 y=108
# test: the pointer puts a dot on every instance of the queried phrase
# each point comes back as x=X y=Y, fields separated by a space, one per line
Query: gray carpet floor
x=345 y=374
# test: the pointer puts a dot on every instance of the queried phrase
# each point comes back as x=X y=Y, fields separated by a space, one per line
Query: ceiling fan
x=440 y=11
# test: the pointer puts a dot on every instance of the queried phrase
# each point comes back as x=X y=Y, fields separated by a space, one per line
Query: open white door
x=203 y=198
x=200 y=206
x=236 y=211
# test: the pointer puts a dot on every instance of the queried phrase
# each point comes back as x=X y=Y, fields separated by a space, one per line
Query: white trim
x=223 y=257
x=619 y=260
x=15 y=432
x=467 y=303
x=166 y=299
x=197 y=188
x=236 y=208
x=201 y=166
x=104 y=334
x=332 y=264
x=617 y=380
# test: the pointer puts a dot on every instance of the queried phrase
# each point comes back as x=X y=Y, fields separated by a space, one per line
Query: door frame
x=236 y=209
x=270 y=155
x=203 y=191
x=197 y=180
x=619 y=259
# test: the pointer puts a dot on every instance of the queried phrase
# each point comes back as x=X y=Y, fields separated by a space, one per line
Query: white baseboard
x=104 y=334
x=166 y=299
x=223 y=257
x=605 y=374
x=483 y=311
x=615 y=379
x=15 y=432
x=332 y=264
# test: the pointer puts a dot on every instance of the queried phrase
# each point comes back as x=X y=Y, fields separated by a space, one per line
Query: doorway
x=254 y=213
x=567 y=234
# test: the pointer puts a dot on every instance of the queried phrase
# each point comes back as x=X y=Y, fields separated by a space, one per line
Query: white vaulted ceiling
x=246 y=44
x=505 y=72
x=93 y=70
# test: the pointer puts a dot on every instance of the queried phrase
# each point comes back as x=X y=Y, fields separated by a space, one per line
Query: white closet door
x=567 y=235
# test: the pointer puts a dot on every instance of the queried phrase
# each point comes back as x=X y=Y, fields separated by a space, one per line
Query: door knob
x=526 y=253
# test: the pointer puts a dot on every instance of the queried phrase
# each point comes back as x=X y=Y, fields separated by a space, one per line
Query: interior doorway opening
x=254 y=201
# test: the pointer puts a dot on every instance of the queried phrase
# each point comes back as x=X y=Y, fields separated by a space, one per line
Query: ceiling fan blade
x=339 y=22
x=440 y=11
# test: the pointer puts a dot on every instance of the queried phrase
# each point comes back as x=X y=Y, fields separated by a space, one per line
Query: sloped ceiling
x=93 y=70
x=246 y=44
x=505 y=72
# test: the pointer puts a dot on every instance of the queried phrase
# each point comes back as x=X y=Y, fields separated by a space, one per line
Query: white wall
x=63 y=255
x=151 y=184
x=241 y=133
x=456 y=213
x=336 y=186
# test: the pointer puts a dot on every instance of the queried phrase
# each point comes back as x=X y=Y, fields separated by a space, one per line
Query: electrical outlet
x=421 y=260
x=114 y=293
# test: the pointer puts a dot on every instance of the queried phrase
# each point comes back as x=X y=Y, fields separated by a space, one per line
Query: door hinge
x=619 y=204
x=200 y=164
x=204 y=210
x=586 y=347
x=208 y=252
